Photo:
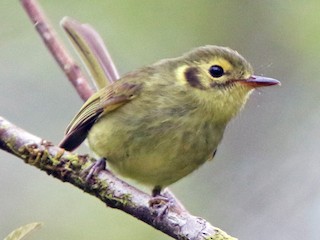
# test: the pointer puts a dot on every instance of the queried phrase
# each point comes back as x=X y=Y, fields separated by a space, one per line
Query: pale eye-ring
x=216 y=71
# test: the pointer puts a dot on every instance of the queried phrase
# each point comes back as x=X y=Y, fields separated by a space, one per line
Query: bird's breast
x=159 y=137
x=157 y=146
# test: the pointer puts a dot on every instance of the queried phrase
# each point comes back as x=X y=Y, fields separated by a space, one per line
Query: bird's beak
x=259 y=81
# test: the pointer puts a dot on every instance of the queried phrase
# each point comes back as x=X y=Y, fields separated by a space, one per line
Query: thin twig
x=58 y=51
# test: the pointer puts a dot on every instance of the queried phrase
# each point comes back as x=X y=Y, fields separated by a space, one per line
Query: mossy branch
x=69 y=167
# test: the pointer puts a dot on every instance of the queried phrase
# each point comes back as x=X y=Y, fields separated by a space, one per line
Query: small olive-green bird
x=161 y=122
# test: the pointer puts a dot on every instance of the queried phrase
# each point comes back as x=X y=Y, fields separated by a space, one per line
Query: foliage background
x=265 y=178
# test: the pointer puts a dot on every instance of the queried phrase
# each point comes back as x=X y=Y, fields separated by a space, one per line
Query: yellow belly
x=154 y=152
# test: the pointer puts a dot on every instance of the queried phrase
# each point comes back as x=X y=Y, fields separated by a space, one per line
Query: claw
x=161 y=205
x=94 y=169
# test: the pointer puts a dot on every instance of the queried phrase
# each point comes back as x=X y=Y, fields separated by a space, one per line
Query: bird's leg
x=94 y=168
x=156 y=191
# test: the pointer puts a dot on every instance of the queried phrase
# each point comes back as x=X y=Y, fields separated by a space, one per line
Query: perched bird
x=161 y=122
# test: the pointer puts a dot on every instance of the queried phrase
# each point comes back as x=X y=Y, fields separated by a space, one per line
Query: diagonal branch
x=115 y=193
x=56 y=48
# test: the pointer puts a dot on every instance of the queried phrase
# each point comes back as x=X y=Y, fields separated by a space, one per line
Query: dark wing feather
x=100 y=103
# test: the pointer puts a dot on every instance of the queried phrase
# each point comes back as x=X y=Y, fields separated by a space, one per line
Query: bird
x=161 y=122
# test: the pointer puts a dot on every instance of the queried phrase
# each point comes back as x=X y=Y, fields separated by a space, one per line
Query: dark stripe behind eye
x=192 y=77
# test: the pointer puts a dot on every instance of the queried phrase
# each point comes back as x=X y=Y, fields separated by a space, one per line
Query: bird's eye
x=216 y=71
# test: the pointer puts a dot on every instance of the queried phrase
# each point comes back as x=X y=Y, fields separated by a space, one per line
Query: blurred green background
x=264 y=182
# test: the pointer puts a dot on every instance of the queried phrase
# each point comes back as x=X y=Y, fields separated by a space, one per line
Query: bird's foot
x=160 y=204
x=94 y=169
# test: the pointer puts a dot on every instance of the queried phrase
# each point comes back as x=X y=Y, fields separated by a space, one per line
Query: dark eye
x=216 y=71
